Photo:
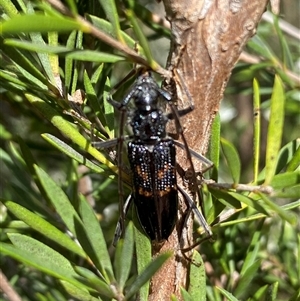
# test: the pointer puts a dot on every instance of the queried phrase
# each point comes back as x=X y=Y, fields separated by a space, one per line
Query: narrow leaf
x=108 y=113
x=288 y=192
x=94 y=56
x=69 y=62
x=289 y=156
x=186 y=296
x=68 y=130
x=78 y=293
x=141 y=37
x=33 y=253
x=248 y=201
x=294 y=163
x=233 y=160
x=9 y=8
x=287 y=57
x=290 y=217
x=126 y=255
x=93 y=100
x=143 y=253
x=271 y=294
x=256 y=130
x=95 y=281
x=260 y=46
x=110 y=9
x=228 y=295
x=39 y=224
x=98 y=251
x=286 y=179
x=59 y=200
x=147 y=273
x=24 y=65
x=40 y=23
x=107 y=28
x=197 y=278
x=214 y=147
x=226 y=198
x=71 y=152
x=37 y=39
x=37 y=47
x=253 y=250
x=246 y=279
x=275 y=129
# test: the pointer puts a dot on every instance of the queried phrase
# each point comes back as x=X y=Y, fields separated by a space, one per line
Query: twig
x=284 y=26
x=7 y=289
x=252 y=59
x=240 y=187
x=90 y=28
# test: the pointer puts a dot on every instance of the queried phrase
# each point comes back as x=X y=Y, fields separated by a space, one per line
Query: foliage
x=50 y=234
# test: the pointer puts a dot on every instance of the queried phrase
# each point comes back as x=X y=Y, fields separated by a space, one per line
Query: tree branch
x=208 y=38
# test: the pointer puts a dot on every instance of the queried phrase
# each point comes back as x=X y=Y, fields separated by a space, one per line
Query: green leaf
x=214 y=147
x=109 y=6
x=76 y=66
x=233 y=160
x=143 y=252
x=186 y=296
x=36 y=47
x=21 y=184
x=9 y=8
x=95 y=281
x=44 y=58
x=260 y=46
x=39 y=224
x=108 y=113
x=260 y=293
x=59 y=200
x=98 y=249
x=25 y=66
x=289 y=157
x=296 y=296
x=271 y=294
x=197 y=278
x=40 y=23
x=71 y=152
x=226 y=198
x=288 y=192
x=252 y=252
x=124 y=261
x=147 y=274
x=256 y=130
x=72 y=5
x=32 y=252
x=290 y=217
x=94 y=56
x=68 y=130
x=78 y=293
x=107 y=28
x=294 y=163
x=93 y=100
x=275 y=129
x=12 y=81
x=248 y=201
x=246 y=279
x=287 y=57
x=141 y=37
x=228 y=295
x=69 y=62
x=284 y=180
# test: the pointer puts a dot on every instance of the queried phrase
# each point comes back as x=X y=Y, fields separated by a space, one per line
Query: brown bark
x=208 y=37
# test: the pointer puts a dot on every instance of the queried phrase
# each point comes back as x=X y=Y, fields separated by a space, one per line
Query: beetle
x=152 y=159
